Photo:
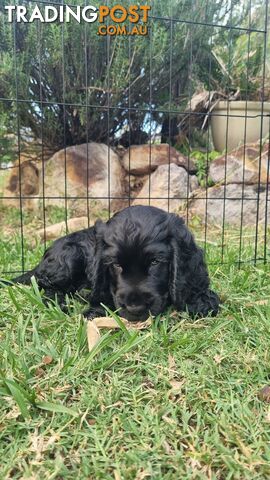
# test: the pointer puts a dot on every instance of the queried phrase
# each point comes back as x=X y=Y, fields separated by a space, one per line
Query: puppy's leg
x=60 y=272
x=204 y=304
x=25 y=278
x=94 y=312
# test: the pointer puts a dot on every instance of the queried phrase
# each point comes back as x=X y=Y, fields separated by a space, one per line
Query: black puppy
x=142 y=260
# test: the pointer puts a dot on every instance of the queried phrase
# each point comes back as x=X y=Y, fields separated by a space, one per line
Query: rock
x=241 y=165
x=193 y=183
x=134 y=183
x=23 y=179
x=104 y=176
x=157 y=187
x=234 y=209
x=144 y=159
x=59 y=229
x=101 y=179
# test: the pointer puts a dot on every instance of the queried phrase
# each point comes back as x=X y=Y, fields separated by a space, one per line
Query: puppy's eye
x=154 y=262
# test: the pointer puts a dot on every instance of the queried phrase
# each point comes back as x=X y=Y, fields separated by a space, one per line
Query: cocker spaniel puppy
x=139 y=262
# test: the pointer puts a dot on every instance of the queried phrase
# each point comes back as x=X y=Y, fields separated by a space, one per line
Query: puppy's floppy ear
x=96 y=271
x=189 y=280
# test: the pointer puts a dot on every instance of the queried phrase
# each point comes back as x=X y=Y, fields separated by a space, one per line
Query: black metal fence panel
x=94 y=119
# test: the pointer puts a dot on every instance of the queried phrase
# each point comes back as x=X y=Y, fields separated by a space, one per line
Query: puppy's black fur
x=142 y=260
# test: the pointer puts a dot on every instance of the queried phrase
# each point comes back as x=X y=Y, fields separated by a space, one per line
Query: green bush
x=7 y=141
x=202 y=160
x=73 y=85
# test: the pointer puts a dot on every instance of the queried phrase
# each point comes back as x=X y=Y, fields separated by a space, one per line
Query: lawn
x=176 y=401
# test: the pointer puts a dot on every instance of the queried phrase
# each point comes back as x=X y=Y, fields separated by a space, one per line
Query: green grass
x=176 y=401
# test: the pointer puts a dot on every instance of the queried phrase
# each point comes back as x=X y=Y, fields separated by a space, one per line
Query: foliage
x=7 y=142
x=240 y=57
x=74 y=85
x=241 y=65
x=202 y=160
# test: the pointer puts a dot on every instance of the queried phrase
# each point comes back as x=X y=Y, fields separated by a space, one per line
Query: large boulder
x=168 y=181
x=144 y=159
x=90 y=170
x=243 y=165
x=242 y=204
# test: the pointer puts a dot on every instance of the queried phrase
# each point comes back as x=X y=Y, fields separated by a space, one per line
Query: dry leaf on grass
x=176 y=386
x=40 y=372
x=91 y=421
x=47 y=360
x=142 y=474
x=93 y=333
x=257 y=302
x=264 y=394
x=167 y=447
x=39 y=443
x=117 y=475
x=267 y=417
x=108 y=322
x=14 y=413
x=171 y=361
x=218 y=359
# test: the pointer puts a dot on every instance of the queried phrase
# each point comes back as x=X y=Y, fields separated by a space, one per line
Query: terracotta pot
x=245 y=123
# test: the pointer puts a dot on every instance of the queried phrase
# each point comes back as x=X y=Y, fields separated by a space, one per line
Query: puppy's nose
x=135 y=309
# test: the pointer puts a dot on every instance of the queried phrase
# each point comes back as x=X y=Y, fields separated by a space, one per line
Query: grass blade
x=131 y=343
x=19 y=396
x=117 y=319
x=56 y=408
x=13 y=299
x=36 y=289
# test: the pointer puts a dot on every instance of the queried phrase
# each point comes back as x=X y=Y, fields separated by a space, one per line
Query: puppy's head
x=149 y=259
x=136 y=255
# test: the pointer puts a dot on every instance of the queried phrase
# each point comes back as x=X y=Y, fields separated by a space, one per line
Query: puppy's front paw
x=207 y=303
x=94 y=312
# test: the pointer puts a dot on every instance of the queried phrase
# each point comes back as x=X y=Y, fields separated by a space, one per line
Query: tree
x=74 y=86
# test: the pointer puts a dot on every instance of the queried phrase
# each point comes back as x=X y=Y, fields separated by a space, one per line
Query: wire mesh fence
x=176 y=116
